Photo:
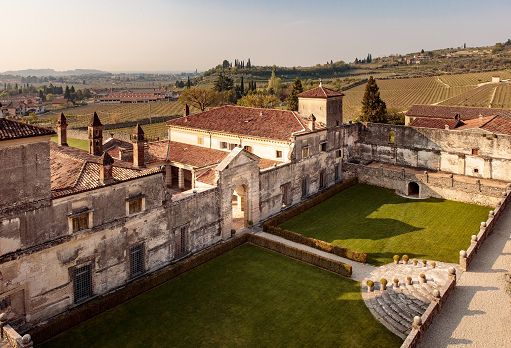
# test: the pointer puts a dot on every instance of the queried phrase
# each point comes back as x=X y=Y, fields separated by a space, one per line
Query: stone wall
x=438 y=185
x=472 y=153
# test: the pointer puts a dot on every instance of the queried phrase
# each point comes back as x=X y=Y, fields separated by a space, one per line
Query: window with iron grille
x=182 y=240
x=137 y=264
x=223 y=145
x=337 y=176
x=81 y=222
x=232 y=146
x=82 y=282
x=278 y=154
x=135 y=205
x=322 y=146
x=305 y=187
x=322 y=179
x=305 y=152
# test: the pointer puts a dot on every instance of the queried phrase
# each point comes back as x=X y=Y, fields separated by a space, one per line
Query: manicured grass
x=78 y=143
x=377 y=221
x=248 y=297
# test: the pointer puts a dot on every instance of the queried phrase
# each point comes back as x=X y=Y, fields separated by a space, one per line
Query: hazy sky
x=169 y=35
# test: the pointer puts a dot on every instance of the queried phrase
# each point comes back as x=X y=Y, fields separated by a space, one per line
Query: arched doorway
x=239 y=205
x=413 y=189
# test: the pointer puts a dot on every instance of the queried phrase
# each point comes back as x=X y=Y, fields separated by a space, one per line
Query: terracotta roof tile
x=439 y=123
x=320 y=92
x=262 y=123
x=10 y=129
x=192 y=155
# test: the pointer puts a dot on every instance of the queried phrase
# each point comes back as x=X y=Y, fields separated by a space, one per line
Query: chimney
x=137 y=138
x=312 y=122
x=62 y=130
x=95 y=132
x=105 y=169
x=187 y=110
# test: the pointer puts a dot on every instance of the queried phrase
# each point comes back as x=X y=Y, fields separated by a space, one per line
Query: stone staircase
x=396 y=306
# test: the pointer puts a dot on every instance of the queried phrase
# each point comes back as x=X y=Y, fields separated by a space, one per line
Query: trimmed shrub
x=405 y=258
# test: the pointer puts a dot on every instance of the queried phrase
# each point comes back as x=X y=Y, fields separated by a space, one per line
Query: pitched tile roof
x=192 y=155
x=10 y=129
x=439 y=123
x=320 y=92
x=465 y=113
x=492 y=124
x=257 y=122
x=73 y=171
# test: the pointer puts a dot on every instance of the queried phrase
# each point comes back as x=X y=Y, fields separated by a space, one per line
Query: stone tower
x=95 y=131
x=137 y=138
x=62 y=130
x=324 y=103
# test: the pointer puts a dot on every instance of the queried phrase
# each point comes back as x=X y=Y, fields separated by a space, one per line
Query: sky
x=171 y=35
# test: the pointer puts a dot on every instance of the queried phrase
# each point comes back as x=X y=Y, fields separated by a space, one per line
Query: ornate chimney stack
x=62 y=130
x=187 y=110
x=312 y=122
x=137 y=138
x=105 y=169
x=95 y=131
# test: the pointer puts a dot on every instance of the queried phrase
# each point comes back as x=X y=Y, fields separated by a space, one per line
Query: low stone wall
x=420 y=324
x=302 y=255
x=432 y=184
x=13 y=338
x=272 y=225
x=487 y=227
x=99 y=304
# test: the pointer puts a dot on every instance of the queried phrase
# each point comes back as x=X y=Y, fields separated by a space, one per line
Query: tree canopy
x=292 y=99
x=201 y=98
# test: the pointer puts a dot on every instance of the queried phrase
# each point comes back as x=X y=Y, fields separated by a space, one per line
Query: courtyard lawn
x=379 y=222
x=248 y=297
x=78 y=143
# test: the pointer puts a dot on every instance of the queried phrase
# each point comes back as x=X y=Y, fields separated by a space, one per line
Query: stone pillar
x=181 y=179
x=62 y=130
x=168 y=175
x=487 y=172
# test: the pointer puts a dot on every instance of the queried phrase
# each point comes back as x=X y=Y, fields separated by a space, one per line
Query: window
x=475 y=152
x=322 y=146
x=248 y=148
x=476 y=170
x=135 y=205
x=232 y=146
x=322 y=179
x=305 y=186
x=137 y=264
x=200 y=140
x=336 y=173
x=82 y=282
x=305 y=152
x=278 y=154
x=81 y=222
x=182 y=240
x=286 y=194
x=338 y=153
x=223 y=145
x=392 y=137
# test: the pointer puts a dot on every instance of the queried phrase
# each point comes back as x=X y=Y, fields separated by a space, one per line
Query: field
x=377 y=221
x=116 y=113
x=461 y=89
x=154 y=131
x=78 y=143
x=248 y=297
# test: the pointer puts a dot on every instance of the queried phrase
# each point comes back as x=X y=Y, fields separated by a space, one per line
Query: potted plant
x=396 y=282
x=396 y=259
x=405 y=259
x=370 y=285
x=409 y=280
x=383 y=283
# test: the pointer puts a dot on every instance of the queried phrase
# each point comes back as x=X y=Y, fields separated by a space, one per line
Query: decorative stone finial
x=483 y=224
x=436 y=293
x=26 y=339
x=417 y=322
x=452 y=271
x=473 y=238
x=463 y=253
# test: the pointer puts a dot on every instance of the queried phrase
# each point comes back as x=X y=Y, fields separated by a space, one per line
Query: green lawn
x=377 y=221
x=248 y=297
x=78 y=143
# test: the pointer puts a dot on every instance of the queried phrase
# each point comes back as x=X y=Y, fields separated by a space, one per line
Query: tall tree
x=201 y=98
x=67 y=93
x=292 y=99
x=188 y=83
x=373 y=107
x=274 y=83
x=242 y=87
x=223 y=83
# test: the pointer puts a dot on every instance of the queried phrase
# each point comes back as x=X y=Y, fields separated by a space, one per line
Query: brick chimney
x=62 y=130
x=137 y=139
x=187 y=110
x=312 y=122
x=105 y=169
x=95 y=132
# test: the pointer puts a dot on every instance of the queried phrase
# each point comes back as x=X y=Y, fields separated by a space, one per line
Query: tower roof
x=138 y=130
x=320 y=92
x=95 y=122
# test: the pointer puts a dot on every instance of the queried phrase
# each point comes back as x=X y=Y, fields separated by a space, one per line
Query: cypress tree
x=292 y=99
x=242 y=87
x=373 y=107
x=188 y=83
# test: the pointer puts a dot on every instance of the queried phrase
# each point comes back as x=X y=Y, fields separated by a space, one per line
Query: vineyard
x=116 y=113
x=153 y=132
x=460 y=89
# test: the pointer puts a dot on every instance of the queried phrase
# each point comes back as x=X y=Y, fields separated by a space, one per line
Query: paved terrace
x=478 y=312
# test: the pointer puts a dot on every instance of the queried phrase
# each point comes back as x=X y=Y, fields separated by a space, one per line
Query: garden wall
x=272 y=225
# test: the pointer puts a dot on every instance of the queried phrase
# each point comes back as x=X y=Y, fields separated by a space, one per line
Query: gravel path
x=478 y=312
x=360 y=271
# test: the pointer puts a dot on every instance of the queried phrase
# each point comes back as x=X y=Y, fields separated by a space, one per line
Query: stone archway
x=413 y=189
x=240 y=212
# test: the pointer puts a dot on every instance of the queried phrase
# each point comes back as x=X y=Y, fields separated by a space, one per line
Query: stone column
x=181 y=179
